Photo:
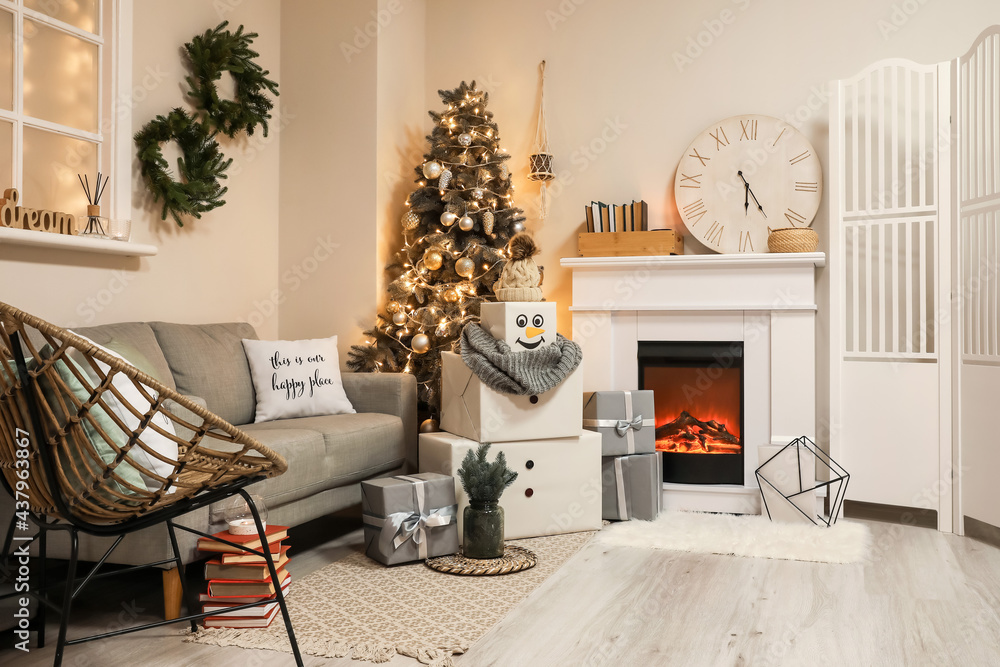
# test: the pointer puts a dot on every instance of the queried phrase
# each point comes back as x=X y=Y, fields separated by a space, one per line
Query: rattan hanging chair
x=81 y=450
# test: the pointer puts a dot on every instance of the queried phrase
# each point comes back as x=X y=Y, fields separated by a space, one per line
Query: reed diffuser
x=95 y=223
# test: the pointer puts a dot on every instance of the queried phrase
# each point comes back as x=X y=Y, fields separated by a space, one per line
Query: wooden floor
x=925 y=598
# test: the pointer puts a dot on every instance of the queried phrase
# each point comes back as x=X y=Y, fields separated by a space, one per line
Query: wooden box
x=631 y=244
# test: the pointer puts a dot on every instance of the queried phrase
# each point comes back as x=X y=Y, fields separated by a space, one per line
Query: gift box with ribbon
x=625 y=420
x=409 y=517
x=632 y=487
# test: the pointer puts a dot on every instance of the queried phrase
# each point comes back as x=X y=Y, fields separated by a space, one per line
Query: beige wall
x=327 y=252
x=214 y=269
x=621 y=110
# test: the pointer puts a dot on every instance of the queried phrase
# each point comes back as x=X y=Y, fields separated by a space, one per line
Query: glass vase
x=483 y=530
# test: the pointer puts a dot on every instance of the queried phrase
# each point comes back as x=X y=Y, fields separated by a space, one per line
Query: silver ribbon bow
x=623 y=425
x=402 y=526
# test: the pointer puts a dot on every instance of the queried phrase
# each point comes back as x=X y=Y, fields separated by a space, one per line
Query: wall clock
x=744 y=176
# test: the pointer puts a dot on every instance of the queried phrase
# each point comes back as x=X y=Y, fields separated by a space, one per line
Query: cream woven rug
x=361 y=609
x=743 y=535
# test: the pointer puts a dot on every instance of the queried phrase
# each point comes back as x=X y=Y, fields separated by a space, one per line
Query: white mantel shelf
x=816 y=259
x=65 y=242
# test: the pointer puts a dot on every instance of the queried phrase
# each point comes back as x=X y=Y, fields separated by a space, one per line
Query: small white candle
x=244 y=527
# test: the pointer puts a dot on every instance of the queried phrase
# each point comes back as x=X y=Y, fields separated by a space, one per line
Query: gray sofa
x=328 y=456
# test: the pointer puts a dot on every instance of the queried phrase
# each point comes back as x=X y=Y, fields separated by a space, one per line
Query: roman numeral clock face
x=743 y=177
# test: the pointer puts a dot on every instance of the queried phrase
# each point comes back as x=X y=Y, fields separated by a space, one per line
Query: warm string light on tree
x=456 y=225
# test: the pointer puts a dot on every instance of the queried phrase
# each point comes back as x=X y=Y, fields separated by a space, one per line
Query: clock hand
x=750 y=192
x=746 y=200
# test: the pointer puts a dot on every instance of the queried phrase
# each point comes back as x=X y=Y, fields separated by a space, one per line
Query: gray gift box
x=409 y=517
x=632 y=487
x=625 y=419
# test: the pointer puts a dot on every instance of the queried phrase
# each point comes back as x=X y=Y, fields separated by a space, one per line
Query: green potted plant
x=484 y=482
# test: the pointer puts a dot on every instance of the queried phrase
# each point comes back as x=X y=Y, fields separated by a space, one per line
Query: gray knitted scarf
x=520 y=373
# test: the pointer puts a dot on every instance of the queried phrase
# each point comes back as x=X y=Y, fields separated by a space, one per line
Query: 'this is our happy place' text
x=295 y=387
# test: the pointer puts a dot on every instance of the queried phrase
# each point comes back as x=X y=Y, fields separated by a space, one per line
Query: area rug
x=743 y=535
x=360 y=609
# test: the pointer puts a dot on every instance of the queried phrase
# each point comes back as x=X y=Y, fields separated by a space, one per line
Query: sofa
x=328 y=456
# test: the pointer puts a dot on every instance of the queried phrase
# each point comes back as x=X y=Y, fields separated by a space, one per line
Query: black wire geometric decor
x=794 y=490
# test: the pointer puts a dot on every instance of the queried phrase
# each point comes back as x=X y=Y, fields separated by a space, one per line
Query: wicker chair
x=71 y=461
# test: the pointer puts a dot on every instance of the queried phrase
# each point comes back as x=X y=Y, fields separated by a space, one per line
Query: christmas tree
x=456 y=227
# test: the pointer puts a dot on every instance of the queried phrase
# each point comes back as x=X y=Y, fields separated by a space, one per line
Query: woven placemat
x=514 y=559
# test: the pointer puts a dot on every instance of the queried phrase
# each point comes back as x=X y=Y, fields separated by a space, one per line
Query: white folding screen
x=889 y=248
x=977 y=167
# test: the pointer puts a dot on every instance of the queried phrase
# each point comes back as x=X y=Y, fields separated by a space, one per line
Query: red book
x=235 y=601
x=241 y=622
x=216 y=569
x=247 y=557
x=274 y=534
x=237 y=588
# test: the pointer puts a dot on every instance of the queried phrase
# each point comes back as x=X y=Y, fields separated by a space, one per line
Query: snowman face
x=529 y=330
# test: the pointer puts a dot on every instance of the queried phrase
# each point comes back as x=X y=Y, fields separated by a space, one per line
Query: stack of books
x=603 y=217
x=237 y=577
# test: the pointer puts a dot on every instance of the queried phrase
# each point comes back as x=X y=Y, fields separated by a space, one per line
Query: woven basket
x=793 y=239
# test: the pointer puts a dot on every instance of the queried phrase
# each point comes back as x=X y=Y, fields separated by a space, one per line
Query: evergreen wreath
x=201 y=165
x=218 y=51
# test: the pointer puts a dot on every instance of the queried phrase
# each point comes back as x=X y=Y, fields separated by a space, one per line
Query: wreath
x=219 y=51
x=201 y=165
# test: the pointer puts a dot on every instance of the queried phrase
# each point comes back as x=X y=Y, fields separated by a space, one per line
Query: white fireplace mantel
x=767 y=301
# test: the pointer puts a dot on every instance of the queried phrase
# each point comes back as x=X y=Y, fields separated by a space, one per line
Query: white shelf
x=27 y=237
x=689 y=261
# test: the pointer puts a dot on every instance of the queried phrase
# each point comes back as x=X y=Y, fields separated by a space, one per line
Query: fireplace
x=698 y=392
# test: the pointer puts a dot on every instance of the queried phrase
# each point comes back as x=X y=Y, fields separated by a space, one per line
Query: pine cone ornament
x=488 y=222
x=504 y=171
x=444 y=179
x=410 y=220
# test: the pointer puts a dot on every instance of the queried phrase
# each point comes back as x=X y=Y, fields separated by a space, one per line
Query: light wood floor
x=924 y=599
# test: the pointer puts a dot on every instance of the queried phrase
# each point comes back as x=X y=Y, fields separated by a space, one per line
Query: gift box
x=409 y=517
x=524 y=325
x=558 y=485
x=625 y=419
x=472 y=410
x=633 y=487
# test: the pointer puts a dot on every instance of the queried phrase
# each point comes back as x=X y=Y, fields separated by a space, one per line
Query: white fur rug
x=742 y=535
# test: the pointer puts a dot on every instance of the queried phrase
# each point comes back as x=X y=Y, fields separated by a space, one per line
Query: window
x=59 y=70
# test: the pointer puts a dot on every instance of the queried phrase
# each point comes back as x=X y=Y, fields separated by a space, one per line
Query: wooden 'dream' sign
x=19 y=217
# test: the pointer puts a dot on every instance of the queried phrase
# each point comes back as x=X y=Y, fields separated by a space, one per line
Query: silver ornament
x=420 y=343
x=518 y=227
x=448 y=218
x=410 y=220
x=477 y=193
x=488 y=222
x=465 y=223
x=399 y=319
x=465 y=139
x=444 y=179
x=432 y=169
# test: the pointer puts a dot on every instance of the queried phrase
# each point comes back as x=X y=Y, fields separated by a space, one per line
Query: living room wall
x=214 y=269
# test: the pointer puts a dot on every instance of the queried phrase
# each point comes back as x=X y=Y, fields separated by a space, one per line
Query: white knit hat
x=520 y=278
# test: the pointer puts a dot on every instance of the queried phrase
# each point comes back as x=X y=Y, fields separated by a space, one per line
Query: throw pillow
x=155 y=442
x=299 y=378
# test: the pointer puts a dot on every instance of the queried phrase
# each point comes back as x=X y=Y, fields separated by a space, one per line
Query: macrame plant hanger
x=541 y=158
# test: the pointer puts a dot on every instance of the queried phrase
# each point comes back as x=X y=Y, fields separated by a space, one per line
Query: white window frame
x=114 y=76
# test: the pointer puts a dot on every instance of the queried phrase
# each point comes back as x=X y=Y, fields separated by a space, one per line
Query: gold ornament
x=410 y=220
x=448 y=218
x=429 y=426
x=420 y=343
x=488 y=222
x=518 y=227
x=432 y=169
x=450 y=295
x=466 y=223
x=392 y=307
x=433 y=259
x=465 y=267
x=445 y=179
x=399 y=318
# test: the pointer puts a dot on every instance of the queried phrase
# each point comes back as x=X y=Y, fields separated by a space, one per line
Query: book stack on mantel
x=603 y=217
x=237 y=577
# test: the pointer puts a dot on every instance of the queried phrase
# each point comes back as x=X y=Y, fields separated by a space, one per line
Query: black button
x=530 y=464
x=529 y=493
x=533 y=399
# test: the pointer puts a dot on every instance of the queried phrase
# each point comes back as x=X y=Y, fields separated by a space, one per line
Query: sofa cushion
x=134 y=341
x=308 y=464
x=357 y=446
x=207 y=360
